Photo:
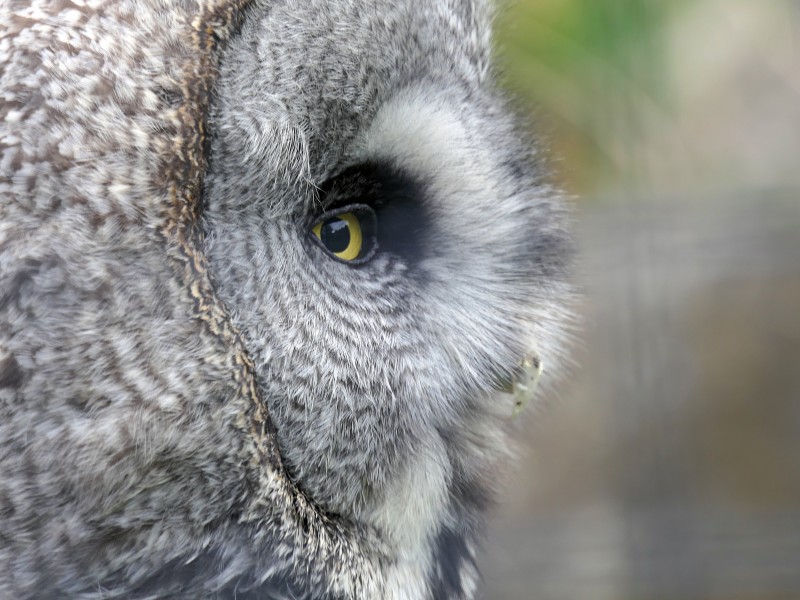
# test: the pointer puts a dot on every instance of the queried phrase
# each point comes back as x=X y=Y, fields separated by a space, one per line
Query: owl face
x=384 y=242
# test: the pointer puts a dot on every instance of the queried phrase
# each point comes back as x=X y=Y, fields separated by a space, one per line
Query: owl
x=274 y=278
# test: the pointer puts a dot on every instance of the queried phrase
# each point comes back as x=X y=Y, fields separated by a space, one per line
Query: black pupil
x=335 y=235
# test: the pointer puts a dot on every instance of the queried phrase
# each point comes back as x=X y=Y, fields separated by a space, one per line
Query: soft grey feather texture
x=195 y=399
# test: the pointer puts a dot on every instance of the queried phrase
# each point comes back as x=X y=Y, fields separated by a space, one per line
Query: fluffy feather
x=195 y=399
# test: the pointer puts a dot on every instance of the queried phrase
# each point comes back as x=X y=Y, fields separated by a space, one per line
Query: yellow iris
x=341 y=235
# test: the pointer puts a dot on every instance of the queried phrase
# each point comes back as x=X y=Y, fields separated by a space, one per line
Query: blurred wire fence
x=670 y=467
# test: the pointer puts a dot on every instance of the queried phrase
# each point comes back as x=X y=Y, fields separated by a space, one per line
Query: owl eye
x=347 y=233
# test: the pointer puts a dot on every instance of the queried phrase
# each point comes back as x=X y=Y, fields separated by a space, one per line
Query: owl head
x=383 y=237
x=267 y=271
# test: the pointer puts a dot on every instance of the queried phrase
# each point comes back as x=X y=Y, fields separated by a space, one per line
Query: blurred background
x=668 y=465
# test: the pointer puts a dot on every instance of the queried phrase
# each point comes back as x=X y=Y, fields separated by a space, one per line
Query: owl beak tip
x=523 y=382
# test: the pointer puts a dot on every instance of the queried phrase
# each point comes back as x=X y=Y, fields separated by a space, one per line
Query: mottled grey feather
x=195 y=399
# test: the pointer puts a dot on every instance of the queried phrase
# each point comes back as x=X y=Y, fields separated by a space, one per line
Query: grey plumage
x=196 y=400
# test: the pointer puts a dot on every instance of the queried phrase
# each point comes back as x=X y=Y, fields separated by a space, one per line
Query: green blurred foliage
x=596 y=71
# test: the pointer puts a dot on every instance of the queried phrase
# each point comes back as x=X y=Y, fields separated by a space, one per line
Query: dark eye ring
x=347 y=234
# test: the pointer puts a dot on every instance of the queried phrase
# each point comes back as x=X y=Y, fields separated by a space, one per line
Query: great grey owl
x=266 y=269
